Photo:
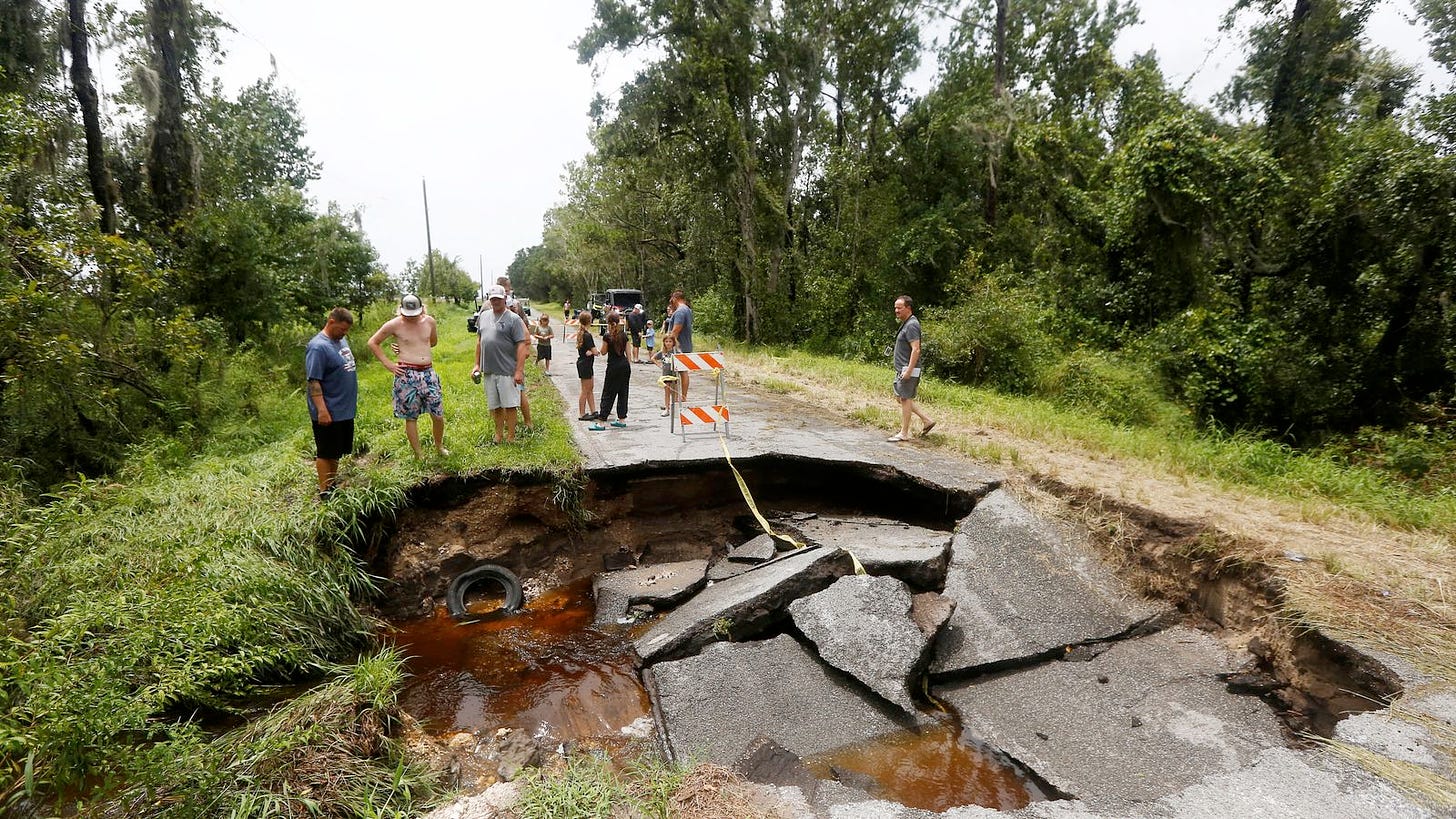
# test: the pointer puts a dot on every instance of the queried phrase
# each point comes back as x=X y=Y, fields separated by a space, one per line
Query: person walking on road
x=500 y=362
x=333 y=396
x=416 y=384
x=680 y=327
x=907 y=369
x=618 y=380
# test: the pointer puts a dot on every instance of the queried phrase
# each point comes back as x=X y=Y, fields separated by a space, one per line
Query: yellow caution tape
x=753 y=507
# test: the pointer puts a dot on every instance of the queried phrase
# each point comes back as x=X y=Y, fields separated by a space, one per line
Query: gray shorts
x=905 y=388
x=501 y=391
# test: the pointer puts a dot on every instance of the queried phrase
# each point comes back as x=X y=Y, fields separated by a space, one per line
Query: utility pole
x=482 y=275
x=429 y=246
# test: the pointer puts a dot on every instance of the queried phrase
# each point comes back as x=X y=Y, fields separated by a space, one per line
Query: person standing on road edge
x=544 y=335
x=618 y=380
x=333 y=396
x=416 y=384
x=907 y=369
x=586 y=358
x=500 y=362
x=680 y=327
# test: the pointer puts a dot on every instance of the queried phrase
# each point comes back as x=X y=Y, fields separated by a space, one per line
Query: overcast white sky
x=486 y=102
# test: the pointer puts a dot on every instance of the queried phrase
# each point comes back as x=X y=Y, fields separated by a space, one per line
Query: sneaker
x=619 y=423
x=896 y=438
x=596 y=427
x=665 y=413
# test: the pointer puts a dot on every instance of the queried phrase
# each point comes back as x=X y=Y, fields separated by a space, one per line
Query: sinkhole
x=985 y=656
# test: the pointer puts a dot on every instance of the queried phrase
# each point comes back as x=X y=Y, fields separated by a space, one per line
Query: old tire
x=489 y=572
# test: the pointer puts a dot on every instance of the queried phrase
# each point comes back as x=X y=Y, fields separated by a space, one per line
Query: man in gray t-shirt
x=907 y=369
x=680 y=327
x=500 y=361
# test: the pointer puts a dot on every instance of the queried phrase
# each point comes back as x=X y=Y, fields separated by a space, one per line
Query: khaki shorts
x=501 y=391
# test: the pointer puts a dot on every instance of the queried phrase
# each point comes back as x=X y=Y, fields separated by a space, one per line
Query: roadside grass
x=592 y=787
x=1236 y=460
x=171 y=595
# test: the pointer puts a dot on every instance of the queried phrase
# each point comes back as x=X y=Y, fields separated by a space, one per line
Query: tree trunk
x=998 y=93
x=999 y=89
x=169 y=161
x=1283 y=114
x=102 y=186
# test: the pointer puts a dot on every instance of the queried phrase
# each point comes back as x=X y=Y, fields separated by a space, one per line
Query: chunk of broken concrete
x=916 y=555
x=759 y=550
x=741 y=607
x=659 y=585
x=1024 y=586
x=861 y=625
x=1160 y=722
x=714 y=705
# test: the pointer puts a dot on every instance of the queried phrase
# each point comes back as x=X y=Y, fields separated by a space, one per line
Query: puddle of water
x=933 y=770
x=542 y=670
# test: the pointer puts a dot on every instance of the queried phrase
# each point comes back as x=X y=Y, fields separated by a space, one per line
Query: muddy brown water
x=549 y=671
x=544 y=670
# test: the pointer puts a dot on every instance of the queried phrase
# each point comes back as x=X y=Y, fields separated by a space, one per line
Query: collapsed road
x=977 y=602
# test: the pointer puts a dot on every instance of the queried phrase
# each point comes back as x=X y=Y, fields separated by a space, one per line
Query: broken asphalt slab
x=714 y=705
x=862 y=625
x=1024 y=586
x=658 y=585
x=916 y=555
x=740 y=607
x=1142 y=720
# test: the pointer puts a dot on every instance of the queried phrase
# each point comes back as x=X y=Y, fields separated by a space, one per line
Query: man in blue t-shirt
x=333 y=395
x=680 y=327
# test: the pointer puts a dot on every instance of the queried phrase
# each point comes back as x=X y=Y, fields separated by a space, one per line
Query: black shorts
x=583 y=368
x=636 y=338
x=334 y=441
x=543 y=352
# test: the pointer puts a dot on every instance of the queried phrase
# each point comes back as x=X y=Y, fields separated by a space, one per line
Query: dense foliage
x=1283 y=263
x=137 y=254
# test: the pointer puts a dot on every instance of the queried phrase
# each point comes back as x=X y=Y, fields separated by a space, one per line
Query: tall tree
x=1300 y=68
x=103 y=188
x=170 y=153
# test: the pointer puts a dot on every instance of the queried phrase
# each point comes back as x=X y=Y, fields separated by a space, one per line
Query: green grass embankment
x=170 y=592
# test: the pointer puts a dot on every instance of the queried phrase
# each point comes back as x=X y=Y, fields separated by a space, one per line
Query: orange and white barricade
x=682 y=415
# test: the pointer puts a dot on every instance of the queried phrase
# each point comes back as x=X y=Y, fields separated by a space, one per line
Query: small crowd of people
x=504 y=336
x=636 y=328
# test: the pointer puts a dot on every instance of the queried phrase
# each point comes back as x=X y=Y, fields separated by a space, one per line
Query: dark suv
x=623 y=299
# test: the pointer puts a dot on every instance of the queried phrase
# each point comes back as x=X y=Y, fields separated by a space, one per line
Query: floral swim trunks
x=417 y=392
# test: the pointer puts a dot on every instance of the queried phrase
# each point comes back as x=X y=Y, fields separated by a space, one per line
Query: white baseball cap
x=495 y=291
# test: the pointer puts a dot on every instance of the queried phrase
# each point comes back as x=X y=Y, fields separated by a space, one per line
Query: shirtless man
x=416 y=385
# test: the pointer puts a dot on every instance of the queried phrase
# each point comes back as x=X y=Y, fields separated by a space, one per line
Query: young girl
x=669 y=377
x=619 y=373
x=543 y=333
x=586 y=351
